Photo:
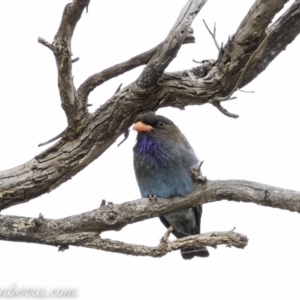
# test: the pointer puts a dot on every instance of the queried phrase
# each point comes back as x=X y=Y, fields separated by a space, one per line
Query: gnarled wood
x=246 y=54
x=83 y=229
x=100 y=129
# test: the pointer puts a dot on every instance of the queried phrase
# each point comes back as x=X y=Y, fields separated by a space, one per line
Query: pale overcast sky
x=262 y=145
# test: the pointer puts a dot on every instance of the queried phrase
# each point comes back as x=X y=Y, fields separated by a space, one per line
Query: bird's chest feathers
x=152 y=154
x=161 y=168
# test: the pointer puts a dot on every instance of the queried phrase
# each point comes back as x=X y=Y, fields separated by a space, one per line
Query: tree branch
x=33 y=231
x=212 y=239
x=237 y=62
x=45 y=43
x=97 y=79
x=213 y=34
x=73 y=105
x=168 y=50
x=280 y=35
x=115 y=217
x=197 y=86
x=83 y=229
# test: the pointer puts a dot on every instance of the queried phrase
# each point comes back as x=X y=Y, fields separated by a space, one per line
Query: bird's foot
x=103 y=203
x=152 y=197
x=197 y=174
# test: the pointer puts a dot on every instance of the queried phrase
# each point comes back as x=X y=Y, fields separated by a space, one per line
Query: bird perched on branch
x=163 y=162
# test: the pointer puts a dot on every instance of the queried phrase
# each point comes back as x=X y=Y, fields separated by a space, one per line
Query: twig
x=119 y=88
x=218 y=105
x=213 y=34
x=126 y=135
x=75 y=59
x=45 y=43
x=246 y=91
x=197 y=61
x=87 y=6
x=52 y=140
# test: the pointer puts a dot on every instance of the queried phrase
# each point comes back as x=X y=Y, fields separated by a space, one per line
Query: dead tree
x=246 y=54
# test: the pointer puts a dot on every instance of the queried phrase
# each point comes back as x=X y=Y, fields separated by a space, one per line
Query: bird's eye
x=161 y=123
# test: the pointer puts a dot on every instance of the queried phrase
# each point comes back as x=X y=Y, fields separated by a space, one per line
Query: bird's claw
x=103 y=203
x=152 y=197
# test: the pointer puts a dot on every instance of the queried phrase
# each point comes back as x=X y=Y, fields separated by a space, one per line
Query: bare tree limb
x=97 y=79
x=237 y=60
x=280 y=34
x=197 y=86
x=32 y=231
x=73 y=105
x=83 y=229
x=169 y=48
x=212 y=239
x=117 y=216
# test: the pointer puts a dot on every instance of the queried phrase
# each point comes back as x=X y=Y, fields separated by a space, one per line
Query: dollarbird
x=163 y=160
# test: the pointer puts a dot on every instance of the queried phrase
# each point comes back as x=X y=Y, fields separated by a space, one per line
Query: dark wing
x=198 y=214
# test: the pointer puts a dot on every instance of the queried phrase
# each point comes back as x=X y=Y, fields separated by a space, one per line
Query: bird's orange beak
x=142 y=127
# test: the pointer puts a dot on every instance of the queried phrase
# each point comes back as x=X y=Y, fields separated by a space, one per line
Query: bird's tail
x=191 y=252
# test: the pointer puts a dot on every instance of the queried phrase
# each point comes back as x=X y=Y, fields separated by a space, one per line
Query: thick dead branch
x=31 y=231
x=237 y=60
x=67 y=157
x=117 y=216
x=83 y=229
x=169 y=48
x=280 y=34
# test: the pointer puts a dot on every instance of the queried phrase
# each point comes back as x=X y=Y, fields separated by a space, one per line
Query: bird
x=163 y=160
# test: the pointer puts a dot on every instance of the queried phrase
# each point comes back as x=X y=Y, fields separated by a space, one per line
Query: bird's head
x=154 y=125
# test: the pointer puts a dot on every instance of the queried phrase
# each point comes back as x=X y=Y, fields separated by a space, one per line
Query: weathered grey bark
x=84 y=229
x=246 y=54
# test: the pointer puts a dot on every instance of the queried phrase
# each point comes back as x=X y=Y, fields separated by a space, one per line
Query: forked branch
x=90 y=135
x=83 y=229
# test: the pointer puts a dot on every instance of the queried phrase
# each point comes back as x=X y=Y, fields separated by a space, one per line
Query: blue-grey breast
x=163 y=160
